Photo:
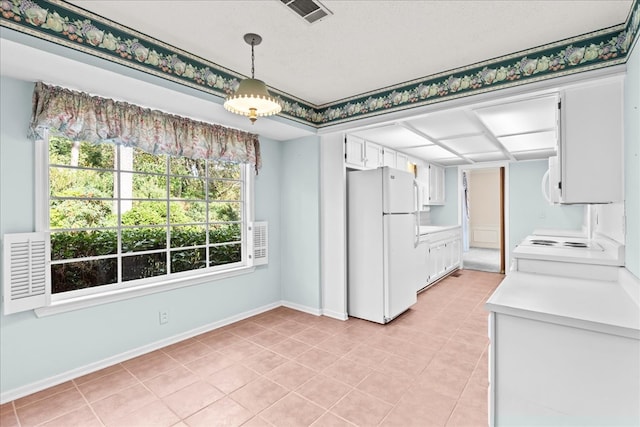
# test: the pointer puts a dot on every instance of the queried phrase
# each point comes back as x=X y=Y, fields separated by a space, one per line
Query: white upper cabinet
x=436 y=186
x=372 y=155
x=362 y=154
x=354 y=152
x=590 y=154
x=389 y=157
x=402 y=161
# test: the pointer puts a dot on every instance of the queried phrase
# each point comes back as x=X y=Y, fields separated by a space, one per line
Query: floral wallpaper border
x=65 y=24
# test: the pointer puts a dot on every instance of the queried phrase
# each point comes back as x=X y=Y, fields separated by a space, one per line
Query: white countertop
x=428 y=229
x=601 y=306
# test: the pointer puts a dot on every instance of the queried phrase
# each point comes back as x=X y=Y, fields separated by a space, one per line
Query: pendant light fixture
x=252 y=98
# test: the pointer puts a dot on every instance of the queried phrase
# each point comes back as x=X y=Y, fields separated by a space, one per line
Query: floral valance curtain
x=82 y=117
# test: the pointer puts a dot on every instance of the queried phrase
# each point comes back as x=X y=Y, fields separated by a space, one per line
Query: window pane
x=221 y=212
x=133 y=159
x=144 y=239
x=63 y=151
x=224 y=170
x=80 y=183
x=85 y=274
x=141 y=266
x=190 y=235
x=81 y=213
x=187 y=212
x=189 y=259
x=141 y=186
x=143 y=213
x=225 y=254
x=79 y=244
x=223 y=233
x=187 y=188
x=187 y=167
x=225 y=190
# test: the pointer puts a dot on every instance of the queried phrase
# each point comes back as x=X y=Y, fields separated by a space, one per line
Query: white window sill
x=138 y=291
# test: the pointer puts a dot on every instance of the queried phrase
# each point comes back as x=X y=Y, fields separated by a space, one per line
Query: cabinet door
x=354 y=152
x=372 y=155
x=436 y=260
x=389 y=158
x=436 y=185
x=592 y=143
x=454 y=250
x=402 y=161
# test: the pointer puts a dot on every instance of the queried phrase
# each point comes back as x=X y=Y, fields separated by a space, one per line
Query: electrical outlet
x=164 y=316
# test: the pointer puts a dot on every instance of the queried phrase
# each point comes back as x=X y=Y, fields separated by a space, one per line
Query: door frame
x=504 y=201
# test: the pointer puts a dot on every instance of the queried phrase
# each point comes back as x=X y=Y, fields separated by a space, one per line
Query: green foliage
x=81 y=214
x=85 y=198
x=84 y=274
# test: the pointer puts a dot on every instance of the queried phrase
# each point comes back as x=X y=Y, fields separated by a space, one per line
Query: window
x=119 y=217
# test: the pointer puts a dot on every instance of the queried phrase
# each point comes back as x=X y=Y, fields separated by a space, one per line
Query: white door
x=398 y=191
x=402 y=264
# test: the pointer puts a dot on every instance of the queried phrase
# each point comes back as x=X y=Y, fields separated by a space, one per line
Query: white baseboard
x=335 y=314
x=16 y=393
x=303 y=308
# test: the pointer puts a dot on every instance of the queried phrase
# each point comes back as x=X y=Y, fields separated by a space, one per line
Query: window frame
x=81 y=298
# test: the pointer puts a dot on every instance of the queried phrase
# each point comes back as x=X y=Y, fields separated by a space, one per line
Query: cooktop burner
x=575 y=244
x=545 y=241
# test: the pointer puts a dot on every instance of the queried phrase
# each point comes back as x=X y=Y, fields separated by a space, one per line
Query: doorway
x=483 y=218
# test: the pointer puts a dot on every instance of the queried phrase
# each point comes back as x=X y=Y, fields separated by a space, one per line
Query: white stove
x=569 y=256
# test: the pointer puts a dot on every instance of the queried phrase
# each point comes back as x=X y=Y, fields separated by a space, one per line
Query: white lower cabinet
x=546 y=374
x=444 y=253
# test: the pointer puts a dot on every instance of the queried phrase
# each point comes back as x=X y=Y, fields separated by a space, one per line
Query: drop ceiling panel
x=529 y=141
x=519 y=117
x=453 y=161
x=446 y=124
x=393 y=136
x=470 y=144
x=532 y=155
x=432 y=152
x=487 y=157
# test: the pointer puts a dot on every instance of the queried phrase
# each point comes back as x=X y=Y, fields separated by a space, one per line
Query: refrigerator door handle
x=416 y=193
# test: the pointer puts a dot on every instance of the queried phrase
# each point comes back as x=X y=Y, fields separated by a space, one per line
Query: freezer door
x=398 y=191
x=402 y=264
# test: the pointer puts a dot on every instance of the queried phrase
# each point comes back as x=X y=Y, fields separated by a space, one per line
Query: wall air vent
x=310 y=10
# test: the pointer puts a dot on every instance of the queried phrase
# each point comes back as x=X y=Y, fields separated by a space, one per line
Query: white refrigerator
x=384 y=265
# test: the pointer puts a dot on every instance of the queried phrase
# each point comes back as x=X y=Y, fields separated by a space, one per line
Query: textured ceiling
x=364 y=45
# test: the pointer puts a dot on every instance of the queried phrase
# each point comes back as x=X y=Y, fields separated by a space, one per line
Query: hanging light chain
x=252 y=59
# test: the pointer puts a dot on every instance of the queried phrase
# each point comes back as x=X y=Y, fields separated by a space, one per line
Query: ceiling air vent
x=310 y=10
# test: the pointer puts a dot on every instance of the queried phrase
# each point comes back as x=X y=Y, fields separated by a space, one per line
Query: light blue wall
x=528 y=210
x=447 y=214
x=34 y=349
x=632 y=161
x=300 y=208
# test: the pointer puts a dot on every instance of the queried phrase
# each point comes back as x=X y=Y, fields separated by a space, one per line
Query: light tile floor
x=428 y=367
